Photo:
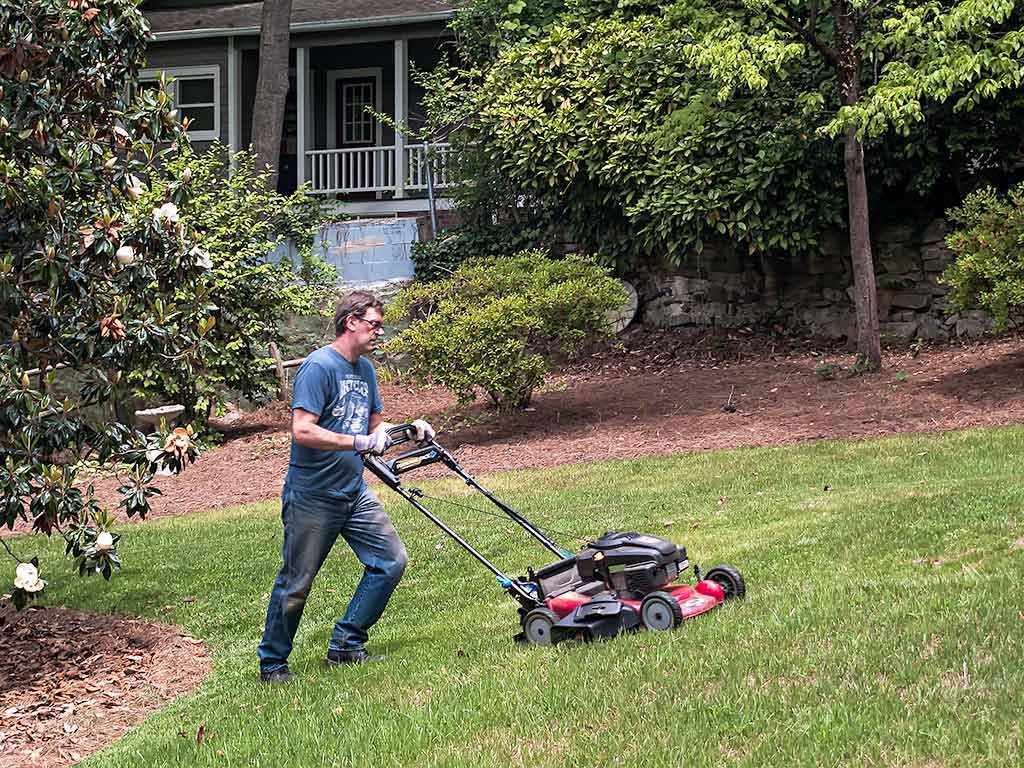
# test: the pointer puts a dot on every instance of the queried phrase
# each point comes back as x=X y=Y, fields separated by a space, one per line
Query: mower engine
x=632 y=564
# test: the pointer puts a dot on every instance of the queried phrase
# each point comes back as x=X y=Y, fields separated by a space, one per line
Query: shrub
x=498 y=324
x=989 y=244
x=87 y=279
x=237 y=221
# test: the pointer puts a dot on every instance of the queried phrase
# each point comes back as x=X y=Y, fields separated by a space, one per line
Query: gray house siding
x=194 y=53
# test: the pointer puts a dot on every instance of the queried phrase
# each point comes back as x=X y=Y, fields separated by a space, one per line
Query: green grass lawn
x=883 y=623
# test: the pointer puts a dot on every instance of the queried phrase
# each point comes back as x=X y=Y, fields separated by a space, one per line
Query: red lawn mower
x=617 y=583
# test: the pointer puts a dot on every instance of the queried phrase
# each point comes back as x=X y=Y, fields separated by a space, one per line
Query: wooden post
x=282 y=381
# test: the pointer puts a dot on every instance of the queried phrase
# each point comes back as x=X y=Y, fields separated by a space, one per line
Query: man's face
x=367 y=330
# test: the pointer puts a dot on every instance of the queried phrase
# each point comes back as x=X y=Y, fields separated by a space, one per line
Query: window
x=195 y=93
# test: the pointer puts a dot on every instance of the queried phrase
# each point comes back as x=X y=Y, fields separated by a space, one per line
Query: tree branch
x=867 y=11
x=9 y=552
x=807 y=34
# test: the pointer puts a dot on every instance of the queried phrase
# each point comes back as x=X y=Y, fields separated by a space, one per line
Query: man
x=336 y=415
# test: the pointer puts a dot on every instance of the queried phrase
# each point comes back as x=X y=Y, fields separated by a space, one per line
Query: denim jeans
x=311 y=526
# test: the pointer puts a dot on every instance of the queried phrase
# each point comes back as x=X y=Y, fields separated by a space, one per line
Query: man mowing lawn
x=336 y=415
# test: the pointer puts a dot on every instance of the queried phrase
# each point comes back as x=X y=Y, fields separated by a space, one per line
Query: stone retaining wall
x=814 y=294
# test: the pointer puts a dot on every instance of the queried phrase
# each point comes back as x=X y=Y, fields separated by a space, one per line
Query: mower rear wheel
x=729 y=579
x=537 y=626
x=660 y=611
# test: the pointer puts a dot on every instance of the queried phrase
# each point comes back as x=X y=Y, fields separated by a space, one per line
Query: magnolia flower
x=26 y=577
x=134 y=189
x=112 y=327
x=167 y=212
x=125 y=255
x=179 y=442
x=202 y=257
x=186 y=176
x=104 y=542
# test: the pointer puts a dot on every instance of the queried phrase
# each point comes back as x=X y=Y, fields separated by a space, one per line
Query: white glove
x=424 y=431
x=376 y=442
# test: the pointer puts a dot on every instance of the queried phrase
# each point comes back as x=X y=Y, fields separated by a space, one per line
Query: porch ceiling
x=244 y=18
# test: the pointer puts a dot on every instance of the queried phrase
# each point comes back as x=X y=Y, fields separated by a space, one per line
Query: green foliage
x=87 y=279
x=989 y=243
x=237 y=221
x=966 y=53
x=498 y=323
x=649 y=129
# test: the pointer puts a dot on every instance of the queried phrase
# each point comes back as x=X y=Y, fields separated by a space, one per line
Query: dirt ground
x=74 y=682
x=662 y=393
x=653 y=393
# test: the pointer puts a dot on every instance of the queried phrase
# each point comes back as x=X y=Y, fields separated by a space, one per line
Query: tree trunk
x=271 y=85
x=865 y=294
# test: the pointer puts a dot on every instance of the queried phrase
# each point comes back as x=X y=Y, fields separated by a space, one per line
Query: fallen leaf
x=201 y=734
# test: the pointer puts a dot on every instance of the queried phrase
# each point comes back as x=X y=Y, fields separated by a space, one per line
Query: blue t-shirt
x=343 y=396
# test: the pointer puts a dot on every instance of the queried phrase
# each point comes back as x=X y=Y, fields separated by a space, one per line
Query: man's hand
x=376 y=442
x=424 y=431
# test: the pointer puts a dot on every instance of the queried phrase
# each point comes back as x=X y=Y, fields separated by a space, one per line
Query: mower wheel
x=660 y=611
x=537 y=626
x=729 y=579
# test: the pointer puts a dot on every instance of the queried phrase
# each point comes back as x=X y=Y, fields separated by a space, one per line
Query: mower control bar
x=430 y=452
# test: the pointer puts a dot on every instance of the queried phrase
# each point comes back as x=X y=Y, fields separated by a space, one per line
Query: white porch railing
x=374 y=169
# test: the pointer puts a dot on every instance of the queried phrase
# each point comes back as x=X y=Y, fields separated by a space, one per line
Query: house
x=345 y=55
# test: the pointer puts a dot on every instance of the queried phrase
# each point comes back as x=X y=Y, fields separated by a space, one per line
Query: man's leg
x=375 y=541
x=310 y=529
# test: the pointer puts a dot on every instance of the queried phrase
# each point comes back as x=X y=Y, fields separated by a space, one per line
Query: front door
x=357 y=128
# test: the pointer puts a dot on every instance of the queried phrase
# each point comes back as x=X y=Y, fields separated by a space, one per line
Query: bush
x=497 y=324
x=989 y=244
x=237 y=221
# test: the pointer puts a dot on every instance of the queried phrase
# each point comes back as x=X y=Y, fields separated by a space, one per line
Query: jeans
x=311 y=526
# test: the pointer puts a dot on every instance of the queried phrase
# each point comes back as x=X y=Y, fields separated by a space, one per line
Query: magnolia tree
x=88 y=282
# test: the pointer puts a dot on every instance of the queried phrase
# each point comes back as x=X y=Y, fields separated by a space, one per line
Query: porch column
x=234 y=98
x=301 y=79
x=401 y=111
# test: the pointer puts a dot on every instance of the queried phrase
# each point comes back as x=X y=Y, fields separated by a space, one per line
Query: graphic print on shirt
x=352 y=405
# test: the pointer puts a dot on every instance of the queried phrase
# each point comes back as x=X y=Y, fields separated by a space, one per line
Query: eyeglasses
x=377 y=325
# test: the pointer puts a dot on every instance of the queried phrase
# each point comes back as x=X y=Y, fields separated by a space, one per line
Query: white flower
x=26 y=577
x=202 y=258
x=186 y=176
x=125 y=255
x=134 y=190
x=167 y=211
x=104 y=542
x=25 y=574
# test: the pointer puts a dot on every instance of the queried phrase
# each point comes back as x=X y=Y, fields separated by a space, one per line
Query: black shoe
x=350 y=656
x=279 y=675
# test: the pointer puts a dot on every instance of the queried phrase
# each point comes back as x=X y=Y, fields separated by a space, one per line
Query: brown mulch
x=654 y=393
x=74 y=682
x=661 y=393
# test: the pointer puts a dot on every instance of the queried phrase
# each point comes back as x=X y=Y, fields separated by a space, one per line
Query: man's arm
x=305 y=431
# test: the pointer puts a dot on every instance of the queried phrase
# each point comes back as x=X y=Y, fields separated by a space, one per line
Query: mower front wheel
x=537 y=626
x=729 y=579
x=660 y=611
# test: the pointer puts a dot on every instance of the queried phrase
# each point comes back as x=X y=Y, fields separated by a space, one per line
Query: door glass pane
x=358 y=124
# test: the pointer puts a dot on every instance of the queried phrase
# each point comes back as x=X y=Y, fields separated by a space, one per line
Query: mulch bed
x=662 y=393
x=74 y=682
x=655 y=393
